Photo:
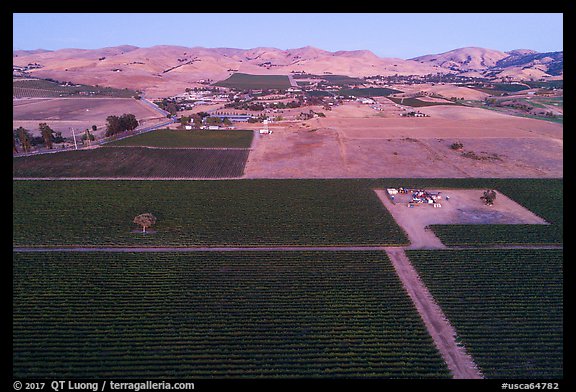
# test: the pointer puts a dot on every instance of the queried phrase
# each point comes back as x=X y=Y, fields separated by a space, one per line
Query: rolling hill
x=165 y=69
x=518 y=64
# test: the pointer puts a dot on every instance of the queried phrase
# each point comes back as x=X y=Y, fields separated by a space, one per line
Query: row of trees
x=195 y=119
x=23 y=137
x=218 y=121
x=118 y=124
x=26 y=140
x=259 y=106
x=169 y=105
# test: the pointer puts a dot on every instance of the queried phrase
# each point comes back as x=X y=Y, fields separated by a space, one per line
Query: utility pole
x=74 y=135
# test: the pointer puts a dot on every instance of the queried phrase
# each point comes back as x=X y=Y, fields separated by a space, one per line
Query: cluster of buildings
x=414 y=114
x=417 y=197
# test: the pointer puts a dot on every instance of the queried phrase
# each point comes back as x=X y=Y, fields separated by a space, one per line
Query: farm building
x=233 y=117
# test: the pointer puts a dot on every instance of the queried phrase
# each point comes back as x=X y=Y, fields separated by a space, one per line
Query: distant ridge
x=169 y=67
x=492 y=62
x=19 y=52
x=465 y=59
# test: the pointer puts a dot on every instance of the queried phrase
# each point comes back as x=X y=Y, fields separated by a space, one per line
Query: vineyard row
x=347 y=315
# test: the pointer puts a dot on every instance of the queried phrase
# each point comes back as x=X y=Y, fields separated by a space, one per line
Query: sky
x=397 y=35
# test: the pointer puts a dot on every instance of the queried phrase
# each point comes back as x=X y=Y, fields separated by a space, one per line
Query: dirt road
x=420 y=236
x=461 y=364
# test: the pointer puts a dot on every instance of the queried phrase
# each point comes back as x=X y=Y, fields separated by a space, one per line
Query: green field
x=171 y=138
x=242 y=81
x=216 y=315
x=497 y=89
x=557 y=101
x=319 y=93
x=138 y=162
x=506 y=306
x=191 y=213
x=368 y=92
x=559 y=119
x=508 y=87
x=340 y=80
x=549 y=84
x=416 y=103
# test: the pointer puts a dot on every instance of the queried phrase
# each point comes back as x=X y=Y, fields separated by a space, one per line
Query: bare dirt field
x=355 y=140
x=446 y=90
x=463 y=207
x=81 y=113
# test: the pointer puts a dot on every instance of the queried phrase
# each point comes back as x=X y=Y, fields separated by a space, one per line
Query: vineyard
x=246 y=212
x=417 y=103
x=168 y=138
x=222 y=315
x=501 y=88
x=243 y=81
x=24 y=92
x=287 y=314
x=340 y=80
x=43 y=88
x=134 y=162
x=369 y=92
x=196 y=213
x=474 y=235
x=506 y=306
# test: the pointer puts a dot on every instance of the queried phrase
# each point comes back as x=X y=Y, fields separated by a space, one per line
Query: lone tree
x=47 y=133
x=145 y=220
x=87 y=136
x=457 y=146
x=489 y=197
x=24 y=138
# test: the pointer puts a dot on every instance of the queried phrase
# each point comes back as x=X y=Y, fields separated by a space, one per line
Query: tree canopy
x=47 y=133
x=24 y=138
x=489 y=197
x=145 y=220
x=118 y=124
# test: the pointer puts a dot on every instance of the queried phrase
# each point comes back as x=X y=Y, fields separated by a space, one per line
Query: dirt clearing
x=463 y=207
x=80 y=113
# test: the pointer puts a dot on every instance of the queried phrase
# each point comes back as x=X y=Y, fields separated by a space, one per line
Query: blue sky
x=386 y=34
